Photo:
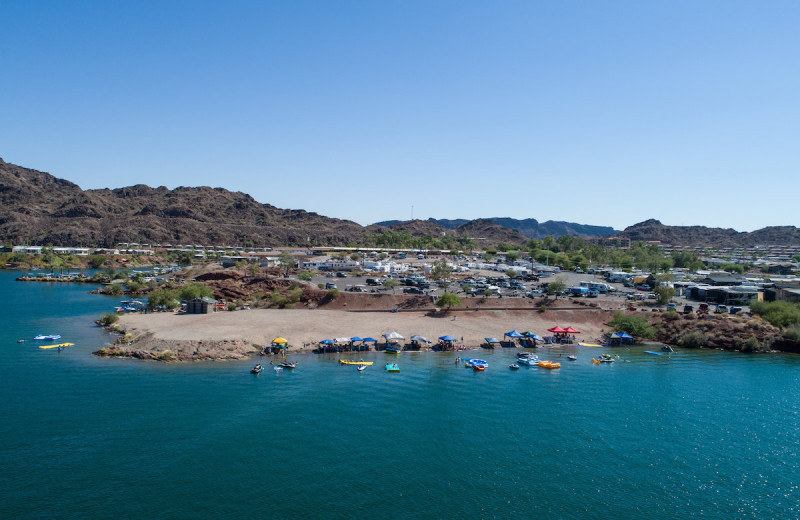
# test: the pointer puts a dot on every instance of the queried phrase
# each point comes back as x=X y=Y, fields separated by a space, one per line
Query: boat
x=276 y=369
x=362 y=363
x=361 y=368
x=572 y=357
x=257 y=369
x=288 y=364
x=513 y=366
x=653 y=352
x=667 y=348
x=47 y=337
x=392 y=367
x=479 y=368
x=393 y=350
x=529 y=361
x=549 y=365
x=472 y=363
x=59 y=346
x=594 y=345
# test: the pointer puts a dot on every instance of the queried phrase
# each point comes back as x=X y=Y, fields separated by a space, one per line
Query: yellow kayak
x=596 y=345
x=363 y=363
x=58 y=346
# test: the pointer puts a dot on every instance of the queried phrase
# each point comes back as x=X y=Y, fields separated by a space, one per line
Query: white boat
x=361 y=368
x=47 y=337
x=528 y=361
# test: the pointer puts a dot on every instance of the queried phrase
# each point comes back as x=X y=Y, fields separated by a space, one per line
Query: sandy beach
x=237 y=334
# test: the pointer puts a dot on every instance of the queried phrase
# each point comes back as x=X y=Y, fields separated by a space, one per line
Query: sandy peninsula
x=233 y=335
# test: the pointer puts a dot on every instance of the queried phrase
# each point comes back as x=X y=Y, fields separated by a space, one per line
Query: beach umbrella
x=369 y=340
x=392 y=335
x=342 y=340
x=356 y=338
x=448 y=338
x=623 y=335
x=513 y=334
x=556 y=330
x=420 y=339
x=570 y=330
x=280 y=341
x=327 y=342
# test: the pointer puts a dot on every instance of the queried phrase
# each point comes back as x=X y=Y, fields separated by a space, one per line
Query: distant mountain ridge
x=653 y=230
x=529 y=227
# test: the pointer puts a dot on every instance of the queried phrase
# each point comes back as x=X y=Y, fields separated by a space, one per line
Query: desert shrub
x=332 y=294
x=694 y=339
x=278 y=300
x=542 y=308
x=689 y=316
x=751 y=344
x=779 y=313
x=321 y=285
x=306 y=276
x=195 y=290
x=295 y=294
x=671 y=316
x=792 y=332
x=108 y=319
x=636 y=326
x=113 y=289
x=167 y=355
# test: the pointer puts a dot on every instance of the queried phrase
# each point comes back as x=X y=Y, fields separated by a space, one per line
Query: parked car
x=687 y=309
x=330 y=285
x=340 y=274
x=721 y=309
x=374 y=281
x=671 y=307
x=652 y=296
x=330 y=274
x=735 y=310
x=413 y=290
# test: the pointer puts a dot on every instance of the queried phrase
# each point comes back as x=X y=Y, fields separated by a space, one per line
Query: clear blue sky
x=605 y=113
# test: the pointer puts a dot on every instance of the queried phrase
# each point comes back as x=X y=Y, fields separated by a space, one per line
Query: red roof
x=570 y=330
x=556 y=329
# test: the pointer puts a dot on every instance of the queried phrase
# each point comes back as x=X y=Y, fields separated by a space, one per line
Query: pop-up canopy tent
x=513 y=334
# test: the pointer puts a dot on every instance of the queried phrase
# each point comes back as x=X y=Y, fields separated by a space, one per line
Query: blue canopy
x=492 y=340
x=356 y=338
x=448 y=338
x=623 y=335
x=369 y=340
x=513 y=334
x=536 y=337
x=327 y=342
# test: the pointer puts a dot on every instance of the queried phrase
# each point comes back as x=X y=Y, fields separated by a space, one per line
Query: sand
x=238 y=334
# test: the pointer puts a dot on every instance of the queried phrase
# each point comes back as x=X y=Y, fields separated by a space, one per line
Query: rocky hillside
x=653 y=230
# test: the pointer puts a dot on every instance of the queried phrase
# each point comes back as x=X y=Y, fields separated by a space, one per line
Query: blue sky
x=605 y=113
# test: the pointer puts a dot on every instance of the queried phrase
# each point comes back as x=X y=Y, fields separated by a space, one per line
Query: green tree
x=97 y=261
x=442 y=271
x=635 y=325
x=391 y=283
x=287 y=262
x=253 y=269
x=557 y=286
x=512 y=256
x=195 y=290
x=306 y=276
x=162 y=298
x=664 y=293
x=448 y=300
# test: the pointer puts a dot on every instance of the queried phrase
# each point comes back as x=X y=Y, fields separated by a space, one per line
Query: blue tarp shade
x=369 y=340
x=492 y=340
x=448 y=338
x=623 y=335
x=327 y=342
x=535 y=337
x=356 y=338
x=513 y=334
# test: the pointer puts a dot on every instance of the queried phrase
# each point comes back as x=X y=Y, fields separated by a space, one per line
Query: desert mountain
x=653 y=230
x=529 y=227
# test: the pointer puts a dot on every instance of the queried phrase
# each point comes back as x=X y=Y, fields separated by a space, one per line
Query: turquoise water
x=698 y=434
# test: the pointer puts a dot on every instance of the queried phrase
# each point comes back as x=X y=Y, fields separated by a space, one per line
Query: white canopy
x=393 y=335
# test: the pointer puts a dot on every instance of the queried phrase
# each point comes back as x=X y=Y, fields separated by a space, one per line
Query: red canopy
x=570 y=330
x=557 y=330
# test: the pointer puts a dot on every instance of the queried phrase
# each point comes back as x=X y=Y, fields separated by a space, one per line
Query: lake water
x=696 y=434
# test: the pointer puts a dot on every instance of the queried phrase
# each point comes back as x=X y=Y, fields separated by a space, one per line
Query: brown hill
x=653 y=230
